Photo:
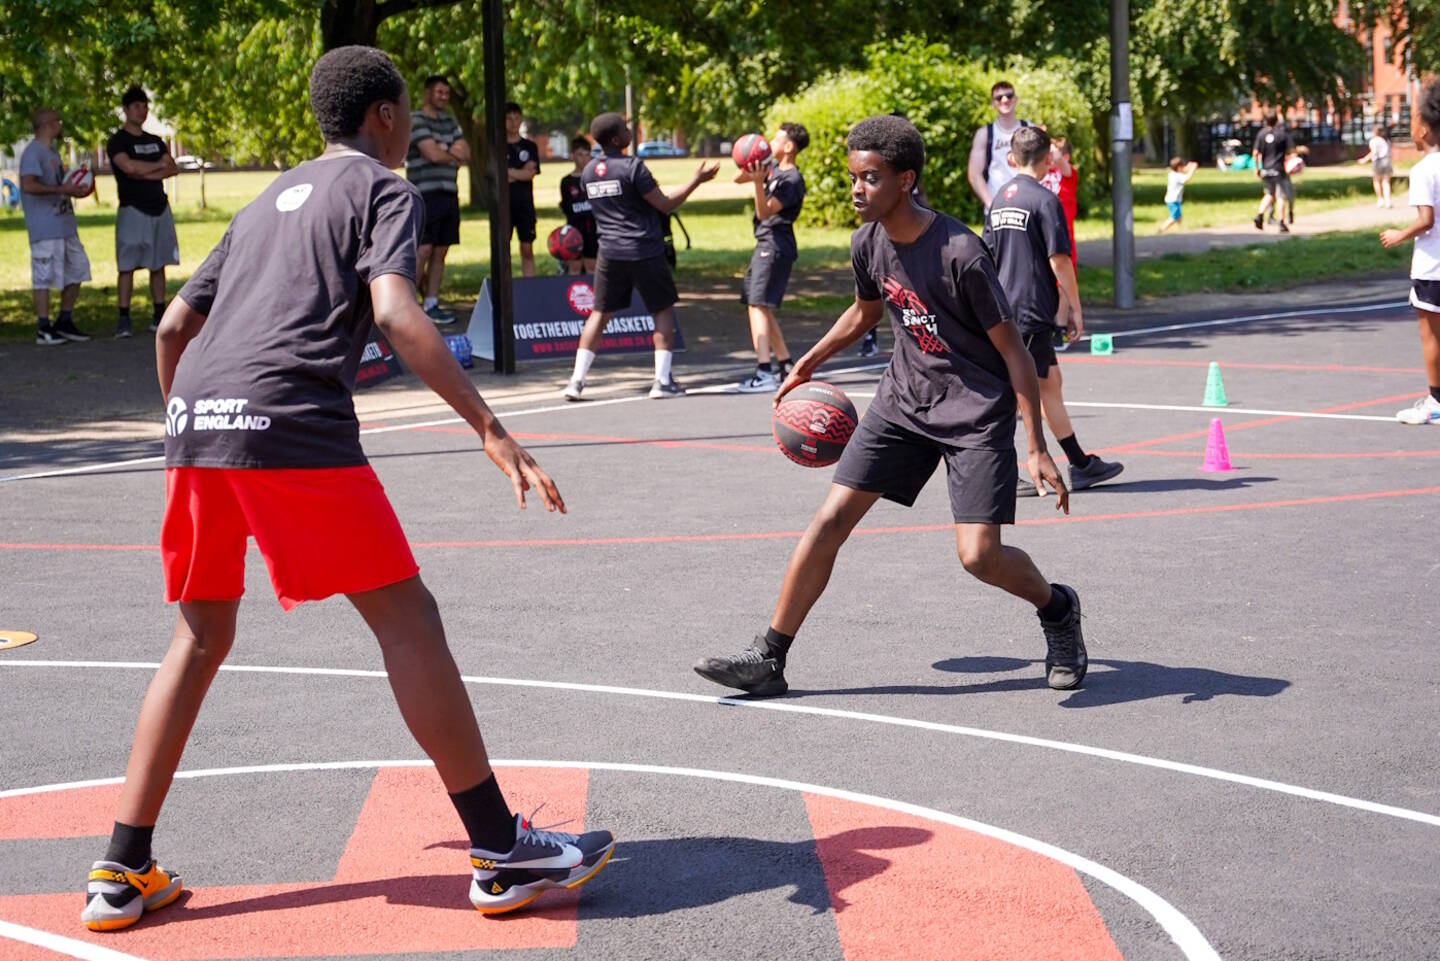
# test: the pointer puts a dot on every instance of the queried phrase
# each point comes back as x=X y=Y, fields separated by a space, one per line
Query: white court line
x=1216 y=411
x=59 y=944
x=1251 y=318
x=1180 y=929
x=784 y=707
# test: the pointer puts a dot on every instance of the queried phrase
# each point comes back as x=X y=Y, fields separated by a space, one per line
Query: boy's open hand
x=794 y=379
x=1391 y=238
x=523 y=472
x=706 y=172
x=1042 y=468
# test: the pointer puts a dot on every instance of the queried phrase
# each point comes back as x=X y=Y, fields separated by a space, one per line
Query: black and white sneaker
x=751 y=671
x=68 y=330
x=1025 y=487
x=47 y=337
x=663 y=391
x=1065 y=657
x=870 y=346
x=1095 y=471
x=540 y=861
x=574 y=389
x=760 y=382
x=122 y=328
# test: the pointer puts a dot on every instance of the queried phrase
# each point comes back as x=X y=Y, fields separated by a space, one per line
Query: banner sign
x=378 y=363
x=549 y=313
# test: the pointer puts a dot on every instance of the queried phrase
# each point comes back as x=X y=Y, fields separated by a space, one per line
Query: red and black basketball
x=750 y=149
x=566 y=243
x=813 y=424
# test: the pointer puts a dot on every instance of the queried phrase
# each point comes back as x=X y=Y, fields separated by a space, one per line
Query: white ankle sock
x=663 y=359
x=429 y=303
x=583 y=359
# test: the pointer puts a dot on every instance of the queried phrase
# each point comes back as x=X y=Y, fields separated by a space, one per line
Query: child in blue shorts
x=1175 y=181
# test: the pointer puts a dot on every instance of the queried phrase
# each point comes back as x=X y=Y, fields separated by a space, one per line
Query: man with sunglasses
x=989 y=168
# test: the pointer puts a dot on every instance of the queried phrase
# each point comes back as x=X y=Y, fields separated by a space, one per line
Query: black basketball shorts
x=616 y=279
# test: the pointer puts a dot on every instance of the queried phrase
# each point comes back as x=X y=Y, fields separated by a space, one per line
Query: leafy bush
x=946 y=98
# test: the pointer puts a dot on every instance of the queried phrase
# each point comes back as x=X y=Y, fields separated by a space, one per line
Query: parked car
x=191 y=162
x=660 y=148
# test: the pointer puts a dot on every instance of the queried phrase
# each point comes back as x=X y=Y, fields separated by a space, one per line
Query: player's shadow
x=1161 y=485
x=644 y=878
x=1120 y=682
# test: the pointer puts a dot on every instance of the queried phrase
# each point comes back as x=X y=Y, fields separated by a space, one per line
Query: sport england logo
x=915 y=317
x=175 y=417
x=1011 y=191
x=293 y=198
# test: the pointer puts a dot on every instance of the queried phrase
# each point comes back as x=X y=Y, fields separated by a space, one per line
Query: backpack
x=670 y=238
x=990 y=139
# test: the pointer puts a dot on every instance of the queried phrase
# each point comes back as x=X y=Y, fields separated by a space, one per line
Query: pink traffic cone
x=1217 y=456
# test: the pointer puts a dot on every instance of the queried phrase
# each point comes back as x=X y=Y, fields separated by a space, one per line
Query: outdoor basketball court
x=1248 y=772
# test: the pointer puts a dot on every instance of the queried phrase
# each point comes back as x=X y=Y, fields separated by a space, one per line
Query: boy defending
x=256 y=360
x=1026 y=233
x=630 y=211
x=779 y=195
x=949 y=393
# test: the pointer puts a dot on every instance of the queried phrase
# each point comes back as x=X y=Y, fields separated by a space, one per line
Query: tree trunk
x=482 y=181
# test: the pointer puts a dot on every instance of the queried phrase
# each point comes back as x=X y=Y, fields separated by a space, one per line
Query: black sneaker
x=1095 y=471
x=870 y=346
x=1065 y=658
x=751 y=671
x=1259 y=221
x=1284 y=229
x=47 y=337
x=664 y=391
x=122 y=328
x=68 y=330
x=540 y=861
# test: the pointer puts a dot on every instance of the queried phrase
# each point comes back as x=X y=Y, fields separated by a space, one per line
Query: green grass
x=718 y=220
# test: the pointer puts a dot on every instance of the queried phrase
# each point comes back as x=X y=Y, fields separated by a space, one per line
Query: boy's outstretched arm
x=414 y=337
x=851 y=325
x=1006 y=338
x=669 y=204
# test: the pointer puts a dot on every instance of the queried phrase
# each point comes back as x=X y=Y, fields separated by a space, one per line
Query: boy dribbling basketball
x=949 y=394
x=257 y=359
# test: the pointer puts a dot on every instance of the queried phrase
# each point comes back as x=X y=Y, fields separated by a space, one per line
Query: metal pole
x=1122 y=133
x=493 y=30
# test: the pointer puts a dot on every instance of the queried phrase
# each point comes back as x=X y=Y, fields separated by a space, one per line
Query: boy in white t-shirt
x=1175 y=181
x=1425 y=263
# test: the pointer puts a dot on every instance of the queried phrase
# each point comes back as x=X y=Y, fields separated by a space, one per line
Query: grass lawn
x=718 y=221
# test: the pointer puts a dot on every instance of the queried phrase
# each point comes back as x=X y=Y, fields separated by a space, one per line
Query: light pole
x=1122 y=135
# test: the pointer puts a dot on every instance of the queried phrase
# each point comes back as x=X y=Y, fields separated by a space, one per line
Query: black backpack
x=670 y=238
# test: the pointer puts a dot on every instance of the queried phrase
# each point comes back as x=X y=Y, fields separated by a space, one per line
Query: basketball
x=813 y=424
x=82 y=177
x=566 y=243
x=749 y=149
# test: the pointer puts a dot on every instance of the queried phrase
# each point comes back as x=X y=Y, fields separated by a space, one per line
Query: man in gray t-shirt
x=57 y=258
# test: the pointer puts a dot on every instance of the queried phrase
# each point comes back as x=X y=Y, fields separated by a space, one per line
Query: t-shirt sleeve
x=114 y=146
x=164 y=148
x=419 y=129
x=1052 y=224
x=535 y=155
x=200 y=290
x=980 y=287
x=643 y=179
x=388 y=247
x=865 y=286
x=566 y=207
x=1423 y=187
x=31 y=165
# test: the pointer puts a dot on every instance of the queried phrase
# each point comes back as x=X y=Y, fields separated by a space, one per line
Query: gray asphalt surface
x=1272 y=622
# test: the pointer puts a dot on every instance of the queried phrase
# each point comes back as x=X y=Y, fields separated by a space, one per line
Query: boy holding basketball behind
x=949 y=393
x=257 y=359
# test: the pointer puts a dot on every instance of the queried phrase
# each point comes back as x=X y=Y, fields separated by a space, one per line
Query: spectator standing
x=989 y=167
x=1381 y=167
x=57 y=258
x=1272 y=144
x=432 y=164
x=523 y=159
x=144 y=225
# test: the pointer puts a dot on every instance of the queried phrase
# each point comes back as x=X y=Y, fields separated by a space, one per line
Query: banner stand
x=549 y=314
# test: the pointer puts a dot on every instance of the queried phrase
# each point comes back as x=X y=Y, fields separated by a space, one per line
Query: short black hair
x=1272 y=118
x=133 y=94
x=1430 y=107
x=513 y=107
x=606 y=127
x=345 y=82
x=798 y=135
x=1382 y=130
x=895 y=139
x=435 y=78
x=1030 y=145
x=1000 y=85
x=579 y=143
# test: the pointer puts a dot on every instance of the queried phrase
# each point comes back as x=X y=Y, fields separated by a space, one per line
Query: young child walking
x=1175 y=181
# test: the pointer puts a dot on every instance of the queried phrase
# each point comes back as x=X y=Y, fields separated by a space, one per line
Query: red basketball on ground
x=566 y=243
x=813 y=424
x=749 y=149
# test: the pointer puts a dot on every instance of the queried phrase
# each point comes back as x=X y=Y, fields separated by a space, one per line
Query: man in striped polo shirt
x=437 y=149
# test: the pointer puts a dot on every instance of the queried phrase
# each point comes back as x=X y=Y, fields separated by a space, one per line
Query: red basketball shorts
x=322 y=531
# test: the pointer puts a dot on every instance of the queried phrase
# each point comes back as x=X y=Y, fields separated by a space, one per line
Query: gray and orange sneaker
x=116 y=896
x=539 y=861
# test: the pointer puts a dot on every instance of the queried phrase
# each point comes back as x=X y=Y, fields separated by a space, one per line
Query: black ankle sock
x=124 y=313
x=777 y=645
x=1057 y=607
x=159 y=311
x=486 y=816
x=1435 y=394
x=1073 y=452
x=130 y=845
x=44 y=322
x=763 y=368
x=65 y=317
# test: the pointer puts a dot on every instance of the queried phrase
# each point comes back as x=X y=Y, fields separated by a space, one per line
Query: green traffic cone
x=1214 y=388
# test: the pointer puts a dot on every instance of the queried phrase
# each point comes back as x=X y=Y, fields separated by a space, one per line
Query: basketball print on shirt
x=915 y=317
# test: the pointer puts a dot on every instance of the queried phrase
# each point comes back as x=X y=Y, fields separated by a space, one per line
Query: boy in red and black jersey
x=257 y=359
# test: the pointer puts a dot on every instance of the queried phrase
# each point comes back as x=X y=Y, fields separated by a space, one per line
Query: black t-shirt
x=146 y=196
x=946 y=380
x=517 y=155
x=777 y=231
x=630 y=228
x=1272 y=144
x=576 y=205
x=267 y=382
x=1026 y=227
